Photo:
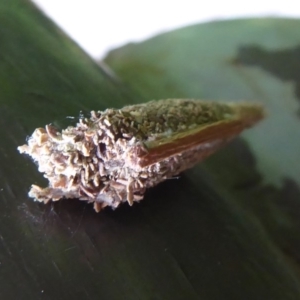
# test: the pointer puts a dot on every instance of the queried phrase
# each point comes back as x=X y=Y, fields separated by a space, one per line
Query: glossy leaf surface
x=254 y=59
x=213 y=233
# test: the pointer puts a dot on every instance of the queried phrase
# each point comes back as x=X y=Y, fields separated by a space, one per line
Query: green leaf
x=254 y=59
x=250 y=59
x=187 y=240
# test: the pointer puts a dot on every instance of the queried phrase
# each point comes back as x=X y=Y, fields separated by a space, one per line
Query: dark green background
x=227 y=229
